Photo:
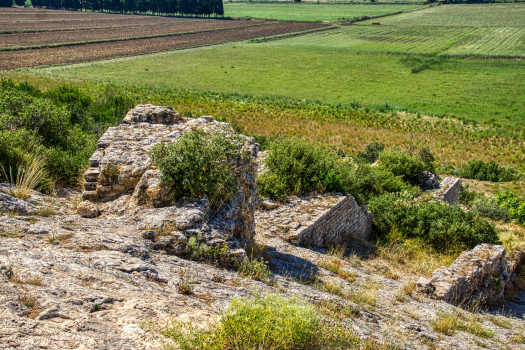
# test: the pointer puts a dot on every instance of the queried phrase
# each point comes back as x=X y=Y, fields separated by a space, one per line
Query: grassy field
x=488 y=91
x=471 y=15
x=504 y=41
x=312 y=12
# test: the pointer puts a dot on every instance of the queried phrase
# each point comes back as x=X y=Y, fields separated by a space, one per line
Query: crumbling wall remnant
x=481 y=274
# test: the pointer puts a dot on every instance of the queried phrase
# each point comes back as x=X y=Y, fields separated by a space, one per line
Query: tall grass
x=29 y=177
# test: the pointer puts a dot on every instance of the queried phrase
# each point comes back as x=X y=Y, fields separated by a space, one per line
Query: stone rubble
x=427 y=180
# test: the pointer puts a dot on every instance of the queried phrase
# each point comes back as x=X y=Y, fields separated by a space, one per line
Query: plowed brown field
x=88 y=52
x=41 y=38
x=114 y=21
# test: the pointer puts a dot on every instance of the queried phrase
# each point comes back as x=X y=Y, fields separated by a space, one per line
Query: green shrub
x=198 y=164
x=296 y=167
x=401 y=164
x=271 y=322
x=489 y=208
x=466 y=197
x=491 y=171
x=371 y=152
x=514 y=204
x=447 y=228
x=365 y=182
x=63 y=125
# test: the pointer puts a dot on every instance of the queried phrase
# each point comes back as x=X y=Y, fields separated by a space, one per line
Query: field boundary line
x=131 y=57
x=45 y=46
x=291 y=35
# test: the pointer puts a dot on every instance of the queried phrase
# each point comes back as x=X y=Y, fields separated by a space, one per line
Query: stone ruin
x=482 y=274
x=321 y=220
x=122 y=178
x=447 y=191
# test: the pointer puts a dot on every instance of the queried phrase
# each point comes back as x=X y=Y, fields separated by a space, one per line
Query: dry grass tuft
x=32 y=304
x=335 y=263
x=448 y=324
x=28 y=178
x=409 y=287
x=414 y=257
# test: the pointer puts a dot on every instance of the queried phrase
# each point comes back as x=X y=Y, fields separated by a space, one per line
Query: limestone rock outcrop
x=122 y=178
x=481 y=274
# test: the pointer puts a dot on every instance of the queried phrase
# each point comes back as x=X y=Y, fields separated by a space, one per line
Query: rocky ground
x=69 y=282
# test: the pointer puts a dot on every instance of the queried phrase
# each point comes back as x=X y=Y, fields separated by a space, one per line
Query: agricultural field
x=409 y=66
x=34 y=38
x=313 y=12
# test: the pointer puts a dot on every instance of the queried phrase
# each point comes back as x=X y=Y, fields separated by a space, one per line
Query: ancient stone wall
x=481 y=274
x=122 y=177
x=449 y=190
x=321 y=220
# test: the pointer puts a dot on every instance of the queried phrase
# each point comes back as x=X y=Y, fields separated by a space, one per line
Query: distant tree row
x=158 y=7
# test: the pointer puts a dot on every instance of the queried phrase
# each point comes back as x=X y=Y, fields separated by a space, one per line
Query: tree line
x=158 y=7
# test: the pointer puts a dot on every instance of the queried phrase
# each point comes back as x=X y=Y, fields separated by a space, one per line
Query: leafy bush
x=514 y=204
x=401 y=164
x=371 y=152
x=491 y=171
x=466 y=197
x=296 y=167
x=366 y=182
x=447 y=228
x=489 y=208
x=198 y=164
x=270 y=322
x=61 y=125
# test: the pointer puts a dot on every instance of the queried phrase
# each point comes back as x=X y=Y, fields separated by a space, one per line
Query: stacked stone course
x=481 y=274
x=448 y=191
x=319 y=220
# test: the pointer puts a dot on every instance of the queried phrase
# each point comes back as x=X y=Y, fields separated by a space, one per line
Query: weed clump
x=270 y=322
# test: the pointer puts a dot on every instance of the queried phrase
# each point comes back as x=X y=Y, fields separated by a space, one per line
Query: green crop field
x=312 y=12
x=471 y=15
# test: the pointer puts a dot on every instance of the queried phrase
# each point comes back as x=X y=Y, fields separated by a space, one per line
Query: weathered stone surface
x=427 y=180
x=481 y=274
x=321 y=220
x=448 y=191
x=151 y=114
x=13 y=204
x=87 y=209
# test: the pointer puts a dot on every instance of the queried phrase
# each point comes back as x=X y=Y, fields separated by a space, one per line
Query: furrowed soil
x=116 y=21
x=88 y=52
x=42 y=38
